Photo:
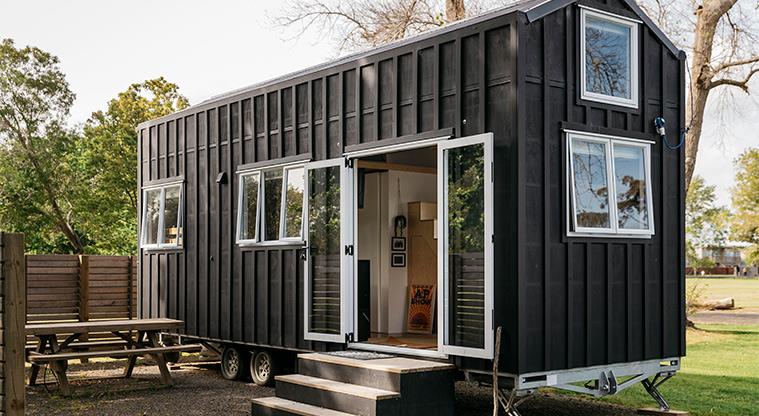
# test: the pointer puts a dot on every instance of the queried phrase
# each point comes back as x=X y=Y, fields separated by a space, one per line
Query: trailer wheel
x=262 y=368
x=232 y=363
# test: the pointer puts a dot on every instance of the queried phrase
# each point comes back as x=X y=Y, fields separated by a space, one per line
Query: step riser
x=429 y=393
x=367 y=377
x=260 y=410
x=337 y=401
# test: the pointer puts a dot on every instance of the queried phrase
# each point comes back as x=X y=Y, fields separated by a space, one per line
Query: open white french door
x=465 y=246
x=328 y=212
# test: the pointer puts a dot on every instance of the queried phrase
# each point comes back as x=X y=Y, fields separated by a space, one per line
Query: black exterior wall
x=563 y=302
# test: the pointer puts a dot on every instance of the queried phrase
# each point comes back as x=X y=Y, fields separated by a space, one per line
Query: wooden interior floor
x=418 y=341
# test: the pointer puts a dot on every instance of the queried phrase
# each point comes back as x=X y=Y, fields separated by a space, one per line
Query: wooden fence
x=12 y=315
x=80 y=288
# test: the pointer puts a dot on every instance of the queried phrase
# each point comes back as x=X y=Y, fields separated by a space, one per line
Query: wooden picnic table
x=57 y=353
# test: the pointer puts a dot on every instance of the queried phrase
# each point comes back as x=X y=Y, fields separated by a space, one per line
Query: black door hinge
x=349 y=250
x=349 y=337
x=348 y=162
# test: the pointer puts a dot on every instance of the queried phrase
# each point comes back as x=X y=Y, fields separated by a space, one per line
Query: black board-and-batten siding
x=563 y=302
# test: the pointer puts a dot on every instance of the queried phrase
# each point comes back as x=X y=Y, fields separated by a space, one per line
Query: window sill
x=271 y=244
x=584 y=235
x=163 y=249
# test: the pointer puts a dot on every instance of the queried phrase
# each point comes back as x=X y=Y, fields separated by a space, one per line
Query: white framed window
x=292 y=204
x=609 y=185
x=270 y=205
x=162 y=207
x=247 y=207
x=608 y=58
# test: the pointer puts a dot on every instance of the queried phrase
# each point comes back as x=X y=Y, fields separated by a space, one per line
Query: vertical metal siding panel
x=237 y=157
x=262 y=297
x=519 y=134
x=170 y=294
x=249 y=289
x=290 y=262
x=155 y=276
x=275 y=297
x=203 y=226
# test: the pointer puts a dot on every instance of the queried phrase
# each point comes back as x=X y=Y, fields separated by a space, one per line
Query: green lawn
x=720 y=375
x=744 y=291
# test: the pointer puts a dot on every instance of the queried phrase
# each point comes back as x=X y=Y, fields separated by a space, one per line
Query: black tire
x=262 y=368
x=233 y=363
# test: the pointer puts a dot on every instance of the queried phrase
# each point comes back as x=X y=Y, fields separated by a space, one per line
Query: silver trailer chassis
x=598 y=381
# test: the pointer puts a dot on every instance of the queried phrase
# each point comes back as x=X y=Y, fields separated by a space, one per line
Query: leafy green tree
x=745 y=194
x=36 y=148
x=109 y=158
x=706 y=224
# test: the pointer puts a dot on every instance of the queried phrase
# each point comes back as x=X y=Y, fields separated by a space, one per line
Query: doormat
x=358 y=355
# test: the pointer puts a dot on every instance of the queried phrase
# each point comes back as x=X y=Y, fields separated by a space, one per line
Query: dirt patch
x=736 y=317
x=199 y=389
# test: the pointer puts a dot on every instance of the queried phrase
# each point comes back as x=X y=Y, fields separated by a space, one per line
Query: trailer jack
x=652 y=387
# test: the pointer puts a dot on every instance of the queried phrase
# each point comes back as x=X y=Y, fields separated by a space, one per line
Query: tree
x=361 y=23
x=706 y=224
x=720 y=37
x=35 y=145
x=109 y=158
x=745 y=224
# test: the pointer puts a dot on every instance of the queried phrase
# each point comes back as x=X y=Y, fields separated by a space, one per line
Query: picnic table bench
x=50 y=351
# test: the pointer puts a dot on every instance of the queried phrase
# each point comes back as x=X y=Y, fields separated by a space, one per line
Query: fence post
x=12 y=321
x=130 y=266
x=84 y=295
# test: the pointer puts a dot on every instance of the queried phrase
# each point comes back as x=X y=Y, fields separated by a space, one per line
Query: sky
x=208 y=48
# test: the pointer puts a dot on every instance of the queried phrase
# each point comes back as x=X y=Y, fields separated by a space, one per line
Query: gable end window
x=162 y=216
x=609 y=184
x=270 y=205
x=608 y=58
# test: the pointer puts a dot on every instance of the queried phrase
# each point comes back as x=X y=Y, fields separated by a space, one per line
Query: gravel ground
x=199 y=389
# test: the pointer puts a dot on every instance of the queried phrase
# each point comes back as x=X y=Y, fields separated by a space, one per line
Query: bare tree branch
x=742 y=84
x=740 y=62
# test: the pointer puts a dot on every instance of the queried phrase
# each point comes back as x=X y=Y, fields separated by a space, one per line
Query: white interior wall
x=375 y=228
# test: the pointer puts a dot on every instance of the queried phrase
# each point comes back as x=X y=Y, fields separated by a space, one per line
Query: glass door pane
x=466 y=245
x=326 y=276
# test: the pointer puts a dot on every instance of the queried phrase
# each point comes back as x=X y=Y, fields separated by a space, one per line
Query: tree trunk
x=454 y=10
x=707 y=18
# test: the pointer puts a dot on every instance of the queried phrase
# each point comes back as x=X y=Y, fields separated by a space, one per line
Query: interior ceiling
x=425 y=157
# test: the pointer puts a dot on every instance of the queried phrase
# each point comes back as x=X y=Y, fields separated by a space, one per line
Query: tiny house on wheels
x=390 y=210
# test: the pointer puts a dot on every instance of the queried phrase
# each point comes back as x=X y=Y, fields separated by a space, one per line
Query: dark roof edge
x=533 y=9
x=518 y=6
x=549 y=7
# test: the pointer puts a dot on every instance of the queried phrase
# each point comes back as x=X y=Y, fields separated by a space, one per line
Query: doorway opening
x=397 y=259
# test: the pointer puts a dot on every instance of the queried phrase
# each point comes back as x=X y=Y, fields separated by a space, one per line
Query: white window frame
x=240 y=203
x=283 y=205
x=614 y=230
x=260 y=238
x=161 y=217
x=631 y=102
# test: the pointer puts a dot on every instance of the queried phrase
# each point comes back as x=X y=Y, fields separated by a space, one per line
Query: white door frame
x=486 y=140
x=442 y=143
x=347 y=298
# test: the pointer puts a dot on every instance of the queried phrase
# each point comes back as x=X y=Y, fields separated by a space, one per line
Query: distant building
x=728 y=255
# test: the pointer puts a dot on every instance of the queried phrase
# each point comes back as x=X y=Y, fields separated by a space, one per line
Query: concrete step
x=385 y=373
x=336 y=395
x=275 y=406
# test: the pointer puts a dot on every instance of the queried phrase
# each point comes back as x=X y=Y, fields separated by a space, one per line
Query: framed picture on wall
x=399 y=244
x=398 y=259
